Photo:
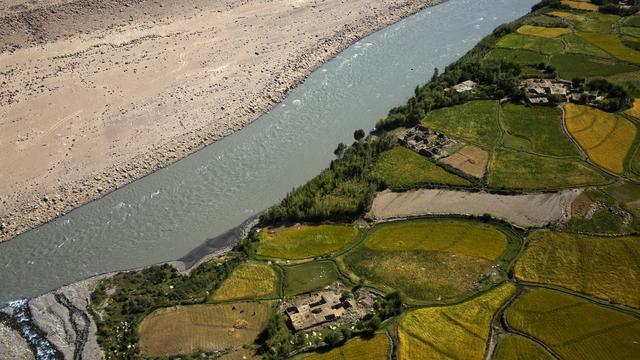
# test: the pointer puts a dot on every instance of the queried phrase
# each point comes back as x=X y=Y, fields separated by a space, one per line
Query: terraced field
x=612 y=44
x=249 y=280
x=575 y=328
x=533 y=43
x=605 y=137
x=459 y=331
x=578 y=45
x=580 y=5
x=571 y=66
x=306 y=277
x=376 y=348
x=515 y=347
x=401 y=167
x=518 y=56
x=541 y=31
x=602 y=267
x=593 y=22
x=185 y=329
x=303 y=242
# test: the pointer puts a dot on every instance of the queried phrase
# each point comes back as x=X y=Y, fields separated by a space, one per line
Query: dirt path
x=527 y=211
x=95 y=94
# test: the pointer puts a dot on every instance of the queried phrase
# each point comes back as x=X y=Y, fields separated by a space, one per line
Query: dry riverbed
x=94 y=95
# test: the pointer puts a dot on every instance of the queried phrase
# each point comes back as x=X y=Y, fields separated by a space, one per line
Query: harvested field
x=533 y=43
x=475 y=122
x=580 y=5
x=299 y=279
x=541 y=31
x=184 y=329
x=376 y=348
x=471 y=160
x=458 y=332
x=603 y=267
x=560 y=14
x=303 y=242
x=605 y=137
x=455 y=236
x=570 y=66
x=612 y=44
x=401 y=167
x=521 y=170
x=532 y=210
x=573 y=327
x=241 y=354
x=249 y=280
x=515 y=347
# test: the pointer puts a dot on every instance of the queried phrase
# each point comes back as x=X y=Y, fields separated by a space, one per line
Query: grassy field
x=593 y=22
x=542 y=31
x=455 y=236
x=575 y=328
x=303 y=242
x=249 y=280
x=299 y=279
x=571 y=66
x=185 y=329
x=630 y=30
x=578 y=45
x=603 y=267
x=474 y=121
x=456 y=332
x=605 y=137
x=612 y=44
x=471 y=160
x=580 y=5
x=401 y=167
x=376 y=348
x=521 y=170
x=533 y=43
x=541 y=127
x=518 y=56
x=632 y=21
x=515 y=347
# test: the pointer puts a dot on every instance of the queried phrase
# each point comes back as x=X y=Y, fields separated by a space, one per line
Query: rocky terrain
x=94 y=95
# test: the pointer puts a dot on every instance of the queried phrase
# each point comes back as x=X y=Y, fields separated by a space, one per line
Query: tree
x=358 y=134
x=332 y=339
x=339 y=151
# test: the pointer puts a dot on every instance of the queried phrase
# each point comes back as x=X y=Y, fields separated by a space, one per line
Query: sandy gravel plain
x=95 y=94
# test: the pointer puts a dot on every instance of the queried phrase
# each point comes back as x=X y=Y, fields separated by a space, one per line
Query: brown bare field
x=184 y=329
x=471 y=160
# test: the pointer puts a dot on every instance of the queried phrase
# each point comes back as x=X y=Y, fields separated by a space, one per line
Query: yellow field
x=605 y=137
x=580 y=5
x=454 y=236
x=249 y=280
x=376 y=348
x=575 y=328
x=184 y=329
x=602 y=267
x=560 y=14
x=541 y=31
x=303 y=242
x=635 y=109
x=515 y=347
x=458 y=331
x=471 y=160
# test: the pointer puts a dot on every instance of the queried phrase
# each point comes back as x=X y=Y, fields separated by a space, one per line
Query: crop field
x=630 y=30
x=605 y=137
x=376 y=348
x=458 y=332
x=517 y=56
x=594 y=22
x=560 y=14
x=603 y=267
x=575 y=328
x=455 y=236
x=632 y=21
x=299 y=279
x=580 y=5
x=474 y=121
x=541 y=127
x=303 y=242
x=184 y=329
x=635 y=109
x=521 y=170
x=612 y=44
x=578 y=45
x=401 y=167
x=249 y=280
x=541 y=31
x=240 y=354
x=570 y=66
x=533 y=43
x=515 y=347
x=470 y=159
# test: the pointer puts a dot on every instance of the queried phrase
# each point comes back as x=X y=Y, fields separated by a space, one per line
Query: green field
x=249 y=280
x=515 y=347
x=299 y=279
x=571 y=66
x=630 y=30
x=540 y=127
x=603 y=267
x=578 y=45
x=575 y=328
x=376 y=348
x=533 y=43
x=455 y=236
x=546 y=21
x=303 y=242
x=612 y=44
x=475 y=122
x=451 y=332
x=518 y=56
x=543 y=31
x=632 y=21
x=401 y=167
x=521 y=170
x=593 y=22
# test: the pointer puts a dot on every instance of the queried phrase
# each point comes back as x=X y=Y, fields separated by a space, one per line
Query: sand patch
x=471 y=160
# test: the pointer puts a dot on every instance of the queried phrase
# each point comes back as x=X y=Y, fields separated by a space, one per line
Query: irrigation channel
x=165 y=215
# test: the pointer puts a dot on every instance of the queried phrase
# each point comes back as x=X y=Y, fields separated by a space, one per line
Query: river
x=165 y=215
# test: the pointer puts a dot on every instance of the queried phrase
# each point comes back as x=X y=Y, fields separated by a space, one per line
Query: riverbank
x=141 y=87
